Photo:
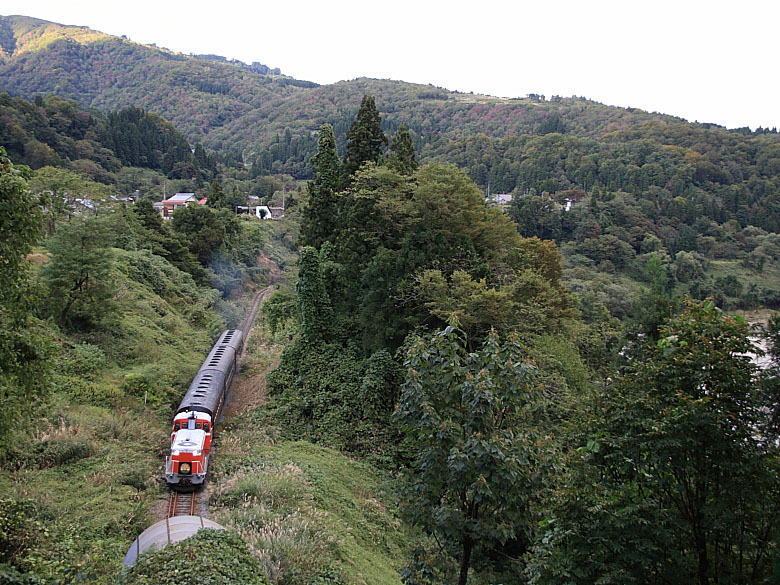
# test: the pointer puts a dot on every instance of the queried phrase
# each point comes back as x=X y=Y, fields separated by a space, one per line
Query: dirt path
x=248 y=390
x=247 y=393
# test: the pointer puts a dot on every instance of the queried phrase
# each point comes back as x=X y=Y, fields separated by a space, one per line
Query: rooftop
x=181 y=197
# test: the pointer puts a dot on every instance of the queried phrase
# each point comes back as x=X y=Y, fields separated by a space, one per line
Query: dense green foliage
x=365 y=139
x=335 y=396
x=142 y=139
x=56 y=132
x=77 y=278
x=401 y=249
x=87 y=395
x=23 y=380
x=402 y=156
x=272 y=118
x=465 y=419
x=90 y=463
x=319 y=217
x=631 y=175
x=670 y=483
x=109 y=72
x=207 y=232
x=281 y=309
x=647 y=458
x=211 y=557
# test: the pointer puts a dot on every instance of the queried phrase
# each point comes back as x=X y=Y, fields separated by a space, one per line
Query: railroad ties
x=182 y=504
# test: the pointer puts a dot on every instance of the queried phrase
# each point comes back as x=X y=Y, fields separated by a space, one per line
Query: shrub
x=146 y=383
x=10 y=576
x=211 y=557
x=60 y=451
x=18 y=530
x=83 y=360
x=281 y=488
x=319 y=391
x=93 y=393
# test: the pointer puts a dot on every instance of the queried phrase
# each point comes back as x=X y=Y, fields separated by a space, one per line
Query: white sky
x=711 y=61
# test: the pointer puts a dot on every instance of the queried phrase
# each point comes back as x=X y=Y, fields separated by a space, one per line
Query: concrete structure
x=261 y=211
x=165 y=532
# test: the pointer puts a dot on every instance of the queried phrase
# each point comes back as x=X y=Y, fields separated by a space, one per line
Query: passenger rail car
x=193 y=423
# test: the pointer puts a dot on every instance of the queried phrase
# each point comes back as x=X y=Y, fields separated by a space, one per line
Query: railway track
x=246 y=324
x=182 y=504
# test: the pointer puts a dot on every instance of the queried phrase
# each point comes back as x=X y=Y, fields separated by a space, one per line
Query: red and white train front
x=188 y=462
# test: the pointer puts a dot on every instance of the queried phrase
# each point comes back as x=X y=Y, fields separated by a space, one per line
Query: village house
x=500 y=198
x=167 y=206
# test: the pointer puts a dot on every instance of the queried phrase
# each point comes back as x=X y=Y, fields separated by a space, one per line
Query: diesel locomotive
x=193 y=424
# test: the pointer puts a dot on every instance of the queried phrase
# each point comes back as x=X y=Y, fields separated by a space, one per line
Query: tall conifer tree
x=320 y=216
x=365 y=139
x=313 y=299
x=216 y=197
x=403 y=158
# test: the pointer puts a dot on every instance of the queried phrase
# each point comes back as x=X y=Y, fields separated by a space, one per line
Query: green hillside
x=230 y=105
x=638 y=183
x=22 y=34
x=197 y=94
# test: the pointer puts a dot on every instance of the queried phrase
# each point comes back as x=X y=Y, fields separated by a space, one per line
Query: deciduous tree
x=79 y=274
x=680 y=485
x=462 y=415
x=208 y=232
x=23 y=349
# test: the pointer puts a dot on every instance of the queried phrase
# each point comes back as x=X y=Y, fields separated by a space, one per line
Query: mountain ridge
x=226 y=104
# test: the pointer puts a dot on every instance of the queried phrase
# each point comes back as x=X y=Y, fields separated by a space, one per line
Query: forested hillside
x=198 y=95
x=540 y=440
x=453 y=391
x=272 y=120
x=52 y=131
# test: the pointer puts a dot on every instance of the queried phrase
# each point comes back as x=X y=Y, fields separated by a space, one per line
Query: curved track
x=246 y=324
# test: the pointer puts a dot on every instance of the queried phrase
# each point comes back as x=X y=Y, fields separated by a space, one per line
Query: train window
x=206 y=427
x=176 y=427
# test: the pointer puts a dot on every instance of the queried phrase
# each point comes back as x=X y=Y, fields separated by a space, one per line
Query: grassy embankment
x=308 y=513
x=88 y=470
x=85 y=478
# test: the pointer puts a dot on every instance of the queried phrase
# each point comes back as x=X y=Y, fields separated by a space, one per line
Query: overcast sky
x=710 y=61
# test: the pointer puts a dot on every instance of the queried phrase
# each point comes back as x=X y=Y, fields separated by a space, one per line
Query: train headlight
x=185 y=468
